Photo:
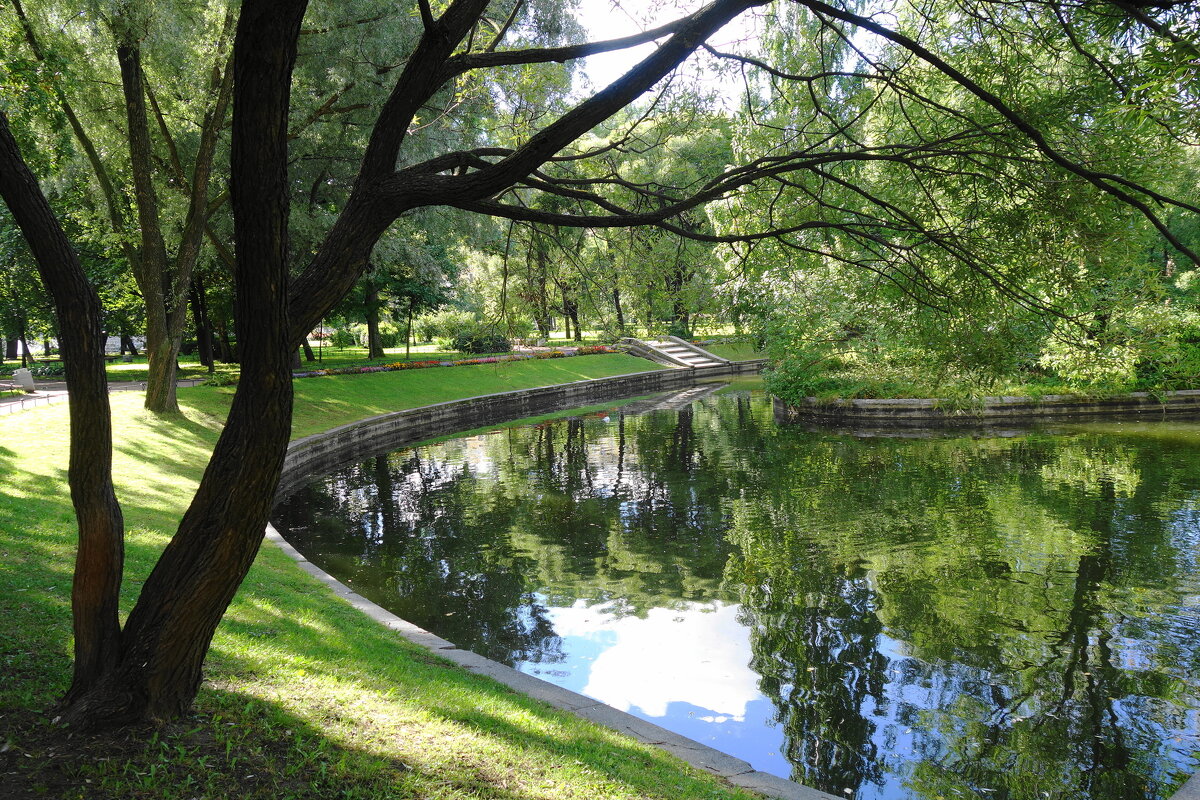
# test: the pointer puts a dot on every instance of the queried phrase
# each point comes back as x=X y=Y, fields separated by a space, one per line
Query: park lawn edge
x=303 y=696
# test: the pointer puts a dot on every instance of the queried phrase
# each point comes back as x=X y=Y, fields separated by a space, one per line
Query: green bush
x=426 y=329
x=520 y=327
x=479 y=340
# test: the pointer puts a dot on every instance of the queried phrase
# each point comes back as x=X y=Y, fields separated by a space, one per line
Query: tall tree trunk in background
x=162 y=281
x=308 y=351
x=99 y=559
x=408 y=332
x=26 y=356
x=204 y=334
x=616 y=296
x=374 y=341
x=226 y=350
x=151 y=269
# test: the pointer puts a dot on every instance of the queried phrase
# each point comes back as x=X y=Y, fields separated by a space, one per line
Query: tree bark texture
x=374 y=340
x=151 y=270
x=185 y=596
x=99 y=561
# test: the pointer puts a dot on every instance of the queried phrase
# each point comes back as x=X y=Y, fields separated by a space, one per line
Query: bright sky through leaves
x=610 y=19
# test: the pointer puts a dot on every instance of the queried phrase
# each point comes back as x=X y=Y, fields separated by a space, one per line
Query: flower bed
x=399 y=365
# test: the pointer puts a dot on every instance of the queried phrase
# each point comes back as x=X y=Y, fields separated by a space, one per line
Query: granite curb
x=935 y=413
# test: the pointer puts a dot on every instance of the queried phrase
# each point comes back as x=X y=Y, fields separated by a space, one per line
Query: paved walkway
x=53 y=392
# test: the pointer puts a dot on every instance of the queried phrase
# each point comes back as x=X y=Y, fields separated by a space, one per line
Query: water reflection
x=882 y=618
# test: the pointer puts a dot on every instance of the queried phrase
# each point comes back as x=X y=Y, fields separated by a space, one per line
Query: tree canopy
x=971 y=158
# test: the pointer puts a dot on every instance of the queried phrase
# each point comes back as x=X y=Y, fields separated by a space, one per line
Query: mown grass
x=303 y=697
x=735 y=351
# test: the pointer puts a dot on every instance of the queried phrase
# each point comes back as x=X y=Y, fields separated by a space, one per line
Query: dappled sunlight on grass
x=304 y=696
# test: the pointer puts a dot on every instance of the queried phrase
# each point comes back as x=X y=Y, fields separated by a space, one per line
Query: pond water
x=1003 y=617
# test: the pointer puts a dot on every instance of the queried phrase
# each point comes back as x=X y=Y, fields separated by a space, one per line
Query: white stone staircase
x=674 y=351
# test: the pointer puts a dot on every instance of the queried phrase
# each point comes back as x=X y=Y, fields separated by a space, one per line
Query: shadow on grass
x=392 y=679
x=232 y=746
x=239 y=745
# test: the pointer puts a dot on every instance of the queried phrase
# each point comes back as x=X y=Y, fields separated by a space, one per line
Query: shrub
x=222 y=379
x=342 y=338
x=47 y=371
x=480 y=340
x=445 y=325
x=426 y=328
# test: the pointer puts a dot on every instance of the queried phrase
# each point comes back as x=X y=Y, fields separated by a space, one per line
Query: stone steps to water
x=676 y=352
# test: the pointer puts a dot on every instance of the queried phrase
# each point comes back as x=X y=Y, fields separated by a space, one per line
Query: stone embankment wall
x=323 y=452
x=992 y=410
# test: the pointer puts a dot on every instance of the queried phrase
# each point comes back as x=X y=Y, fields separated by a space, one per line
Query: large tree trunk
x=100 y=557
x=172 y=624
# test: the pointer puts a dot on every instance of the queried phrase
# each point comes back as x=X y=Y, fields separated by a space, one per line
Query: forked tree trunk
x=171 y=626
x=164 y=283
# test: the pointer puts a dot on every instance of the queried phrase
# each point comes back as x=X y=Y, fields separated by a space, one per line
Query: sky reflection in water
x=955 y=617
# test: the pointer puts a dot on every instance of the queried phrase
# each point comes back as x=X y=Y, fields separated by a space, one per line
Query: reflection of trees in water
x=1005 y=596
x=816 y=656
x=391 y=528
x=459 y=536
x=936 y=617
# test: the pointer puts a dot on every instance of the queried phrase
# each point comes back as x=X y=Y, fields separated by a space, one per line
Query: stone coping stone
x=929 y=413
x=321 y=453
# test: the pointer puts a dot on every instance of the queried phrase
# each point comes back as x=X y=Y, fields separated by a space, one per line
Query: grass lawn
x=735 y=351
x=303 y=697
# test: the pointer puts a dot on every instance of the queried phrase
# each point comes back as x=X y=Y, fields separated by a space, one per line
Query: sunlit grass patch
x=304 y=697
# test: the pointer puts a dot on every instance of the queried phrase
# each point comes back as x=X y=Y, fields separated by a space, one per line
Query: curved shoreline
x=934 y=413
x=321 y=452
x=313 y=455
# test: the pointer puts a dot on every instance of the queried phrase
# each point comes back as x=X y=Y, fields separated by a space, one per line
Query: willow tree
x=151 y=666
x=151 y=167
